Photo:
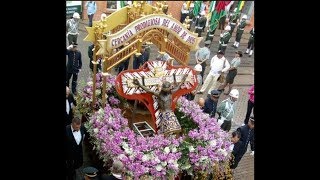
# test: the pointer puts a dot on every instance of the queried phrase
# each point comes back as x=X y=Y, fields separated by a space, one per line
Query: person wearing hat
x=73 y=28
x=232 y=72
x=240 y=29
x=190 y=96
x=210 y=105
x=233 y=20
x=247 y=136
x=202 y=55
x=74 y=66
x=250 y=43
x=141 y=59
x=90 y=173
x=169 y=123
x=219 y=65
x=201 y=23
x=226 y=110
x=224 y=39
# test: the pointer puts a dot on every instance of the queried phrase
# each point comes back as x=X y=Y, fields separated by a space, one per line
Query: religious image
x=160 y=90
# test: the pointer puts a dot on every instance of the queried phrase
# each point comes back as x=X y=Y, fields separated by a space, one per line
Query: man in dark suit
x=236 y=150
x=90 y=55
x=141 y=59
x=247 y=136
x=75 y=133
x=70 y=104
x=116 y=171
x=210 y=105
x=74 y=66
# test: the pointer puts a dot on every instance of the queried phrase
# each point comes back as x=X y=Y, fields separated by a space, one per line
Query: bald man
x=201 y=102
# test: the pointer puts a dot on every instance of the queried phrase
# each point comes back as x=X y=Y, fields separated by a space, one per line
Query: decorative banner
x=154 y=73
x=147 y=22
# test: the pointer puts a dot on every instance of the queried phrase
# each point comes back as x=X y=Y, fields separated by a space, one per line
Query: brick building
x=174 y=9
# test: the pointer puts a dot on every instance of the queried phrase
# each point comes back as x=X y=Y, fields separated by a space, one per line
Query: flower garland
x=148 y=157
x=204 y=146
x=200 y=150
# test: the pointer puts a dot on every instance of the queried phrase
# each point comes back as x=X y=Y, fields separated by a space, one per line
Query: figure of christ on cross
x=169 y=122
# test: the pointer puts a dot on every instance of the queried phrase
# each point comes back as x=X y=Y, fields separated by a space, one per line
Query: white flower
x=174 y=150
x=146 y=169
x=125 y=145
x=145 y=158
x=223 y=152
x=170 y=161
x=213 y=143
x=95 y=130
x=158 y=167
x=101 y=111
x=191 y=149
x=164 y=163
x=176 y=165
x=166 y=150
x=90 y=83
x=121 y=156
x=98 y=92
x=157 y=160
x=186 y=166
x=203 y=158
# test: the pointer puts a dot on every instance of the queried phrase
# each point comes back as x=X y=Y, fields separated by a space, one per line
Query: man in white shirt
x=218 y=65
x=75 y=133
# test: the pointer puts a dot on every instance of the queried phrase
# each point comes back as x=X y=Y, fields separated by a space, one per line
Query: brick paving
x=244 y=79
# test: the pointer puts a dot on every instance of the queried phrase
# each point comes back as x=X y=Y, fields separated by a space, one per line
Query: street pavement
x=244 y=79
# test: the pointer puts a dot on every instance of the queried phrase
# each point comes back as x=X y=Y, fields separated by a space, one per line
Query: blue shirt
x=91 y=7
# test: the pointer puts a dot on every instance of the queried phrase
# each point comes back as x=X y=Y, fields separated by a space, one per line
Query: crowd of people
x=219 y=79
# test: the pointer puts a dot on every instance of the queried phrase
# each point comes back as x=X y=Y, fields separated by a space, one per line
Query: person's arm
x=95 y=7
x=179 y=85
x=227 y=66
x=211 y=62
x=196 y=55
x=80 y=61
x=136 y=82
x=90 y=52
x=252 y=141
x=221 y=107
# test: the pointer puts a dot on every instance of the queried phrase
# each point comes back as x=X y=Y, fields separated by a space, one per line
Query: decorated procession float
x=170 y=138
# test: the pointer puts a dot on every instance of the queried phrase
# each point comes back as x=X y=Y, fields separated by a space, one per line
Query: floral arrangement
x=204 y=146
x=200 y=149
x=84 y=100
x=143 y=157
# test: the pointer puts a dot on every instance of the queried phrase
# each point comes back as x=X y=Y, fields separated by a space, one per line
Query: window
x=112 y=5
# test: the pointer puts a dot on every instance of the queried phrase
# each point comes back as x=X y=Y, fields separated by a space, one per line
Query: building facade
x=174 y=9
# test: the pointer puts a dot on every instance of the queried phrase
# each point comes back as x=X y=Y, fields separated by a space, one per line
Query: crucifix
x=158 y=85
